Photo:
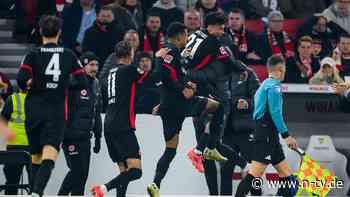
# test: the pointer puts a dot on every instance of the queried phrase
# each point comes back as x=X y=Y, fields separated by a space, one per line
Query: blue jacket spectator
x=77 y=18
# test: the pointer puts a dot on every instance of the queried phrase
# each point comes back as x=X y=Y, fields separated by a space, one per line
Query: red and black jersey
x=209 y=61
x=123 y=84
x=173 y=77
x=202 y=49
x=50 y=66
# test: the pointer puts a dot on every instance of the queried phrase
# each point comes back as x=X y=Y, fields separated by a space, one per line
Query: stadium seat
x=17 y=157
x=256 y=26
x=260 y=71
x=291 y=26
x=321 y=149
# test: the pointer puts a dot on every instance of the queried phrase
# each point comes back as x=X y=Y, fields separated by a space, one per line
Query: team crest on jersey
x=83 y=92
x=168 y=58
x=71 y=148
x=223 y=51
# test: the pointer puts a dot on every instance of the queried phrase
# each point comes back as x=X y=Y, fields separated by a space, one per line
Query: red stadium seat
x=260 y=71
x=291 y=26
x=256 y=26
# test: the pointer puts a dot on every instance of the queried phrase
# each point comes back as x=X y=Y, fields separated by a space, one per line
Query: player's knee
x=50 y=153
x=121 y=166
x=134 y=163
x=172 y=142
x=37 y=159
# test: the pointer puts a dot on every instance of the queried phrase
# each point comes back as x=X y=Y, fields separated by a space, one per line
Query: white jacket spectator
x=339 y=13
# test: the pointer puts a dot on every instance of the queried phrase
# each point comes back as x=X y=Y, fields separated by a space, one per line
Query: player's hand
x=188 y=93
x=155 y=110
x=97 y=145
x=162 y=52
x=192 y=85
x=242 y=104
x=291 y=142
x=340 y=88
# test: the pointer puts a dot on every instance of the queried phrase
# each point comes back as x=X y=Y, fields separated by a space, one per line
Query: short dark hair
x=122 y=49
x=237 y=11
x=152 y=14
x=50 y=26
x=274 y=60
x=175 y=29
x=215 y=18
x=106 y=8
x=344 y=35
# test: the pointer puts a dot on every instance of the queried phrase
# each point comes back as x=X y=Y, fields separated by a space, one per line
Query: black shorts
x=45 y=125
x=122 y=145
x=241 y=143
x=172 y=122
x=267 y=149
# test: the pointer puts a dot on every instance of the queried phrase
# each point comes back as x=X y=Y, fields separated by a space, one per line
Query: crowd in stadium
x=293 y=41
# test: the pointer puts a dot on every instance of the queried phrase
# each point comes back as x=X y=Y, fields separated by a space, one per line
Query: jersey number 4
x=53 y=68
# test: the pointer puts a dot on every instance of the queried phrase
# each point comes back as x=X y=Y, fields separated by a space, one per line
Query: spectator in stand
x=328 y=73
x=77 y=18
x=317 y=48
x=122 y=16
x=207 y=6
x=302 y=9
x=301 y=67
x=339 y=13
x=262 y=8
x=151 y=37
x=341 y=55
x=147 y=4
x=274 y=40
x=168 y=13
x=317 y=27
x=228 y=5
x=243 y=41
x=192 y=20
x=130 y=36
x=103 y=35
x=133 y=8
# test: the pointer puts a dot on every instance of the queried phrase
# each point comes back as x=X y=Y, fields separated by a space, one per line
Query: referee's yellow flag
x=314 y=178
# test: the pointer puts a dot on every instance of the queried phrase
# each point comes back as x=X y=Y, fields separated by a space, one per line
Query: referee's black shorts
x=267 y=148
x=172 y=122
x=122 y=145
x=45 y=124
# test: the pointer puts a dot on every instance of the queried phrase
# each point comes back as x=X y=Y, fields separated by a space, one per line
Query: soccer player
x=209 y=62
x=177 y=101
x=269 y=124
x=123 y=148
x=46 y=70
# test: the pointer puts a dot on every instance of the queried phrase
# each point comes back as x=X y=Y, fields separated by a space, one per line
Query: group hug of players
x=192 y=71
